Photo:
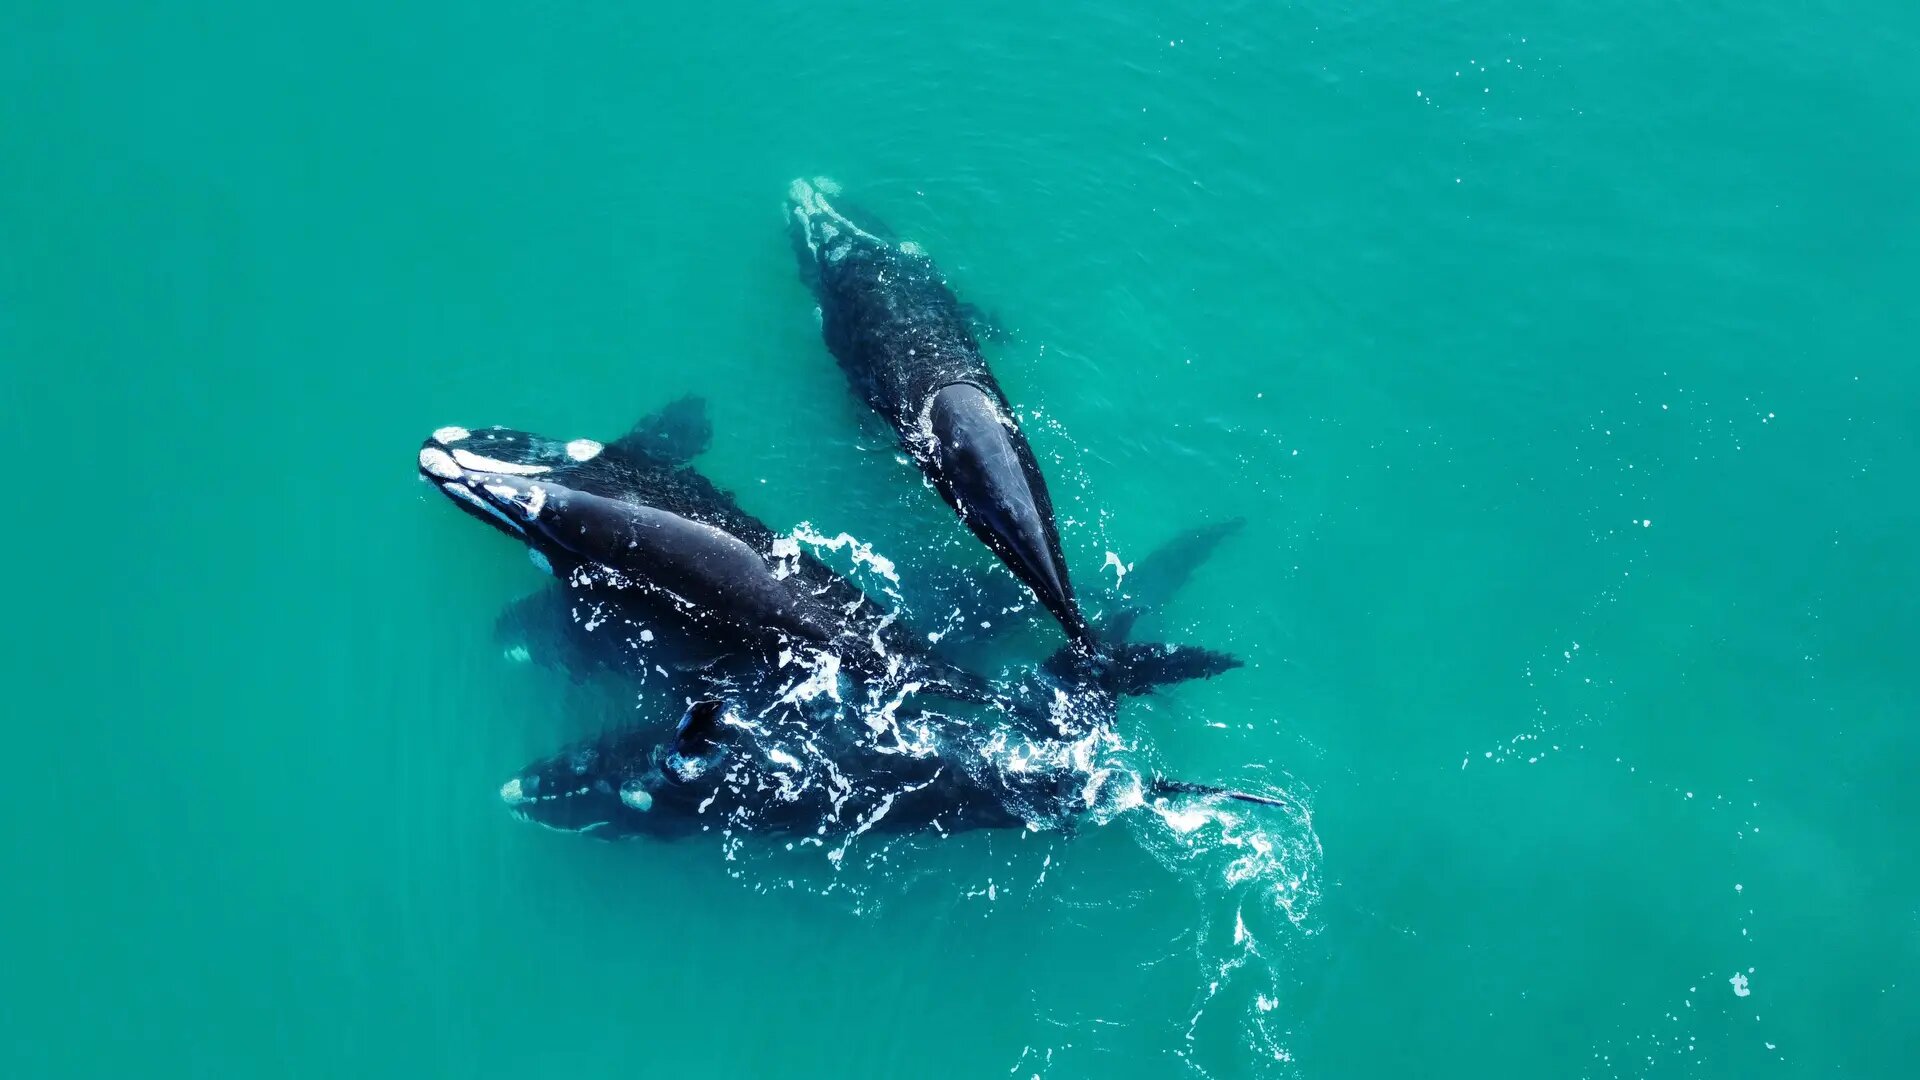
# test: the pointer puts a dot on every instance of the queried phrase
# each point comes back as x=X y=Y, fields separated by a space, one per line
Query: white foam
x=1184 y=821
x=486 y=464
x=436 y=462
x=584 y=449
x=785 y=555
x=450 y=434
x=863 y=554
x=824 y=678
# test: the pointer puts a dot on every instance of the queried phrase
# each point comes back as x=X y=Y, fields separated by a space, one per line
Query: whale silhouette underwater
x=805 y=704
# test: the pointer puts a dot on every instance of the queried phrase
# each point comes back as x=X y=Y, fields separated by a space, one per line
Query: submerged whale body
x=647 y=550
x=725 y=768
x=902 y=337
x=1042 y=758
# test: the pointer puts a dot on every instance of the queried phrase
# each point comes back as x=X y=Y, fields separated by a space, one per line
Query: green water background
x=1558 y=356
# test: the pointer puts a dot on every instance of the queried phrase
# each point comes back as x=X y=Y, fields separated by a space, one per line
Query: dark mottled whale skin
x=634 y=532
x=902 y=337
x=724 y=769
x=1041 y=760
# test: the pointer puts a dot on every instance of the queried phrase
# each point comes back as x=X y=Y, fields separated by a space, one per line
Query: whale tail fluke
x=1140 y=667
x=1106 y=652
x=1135 y=668
x=1163 y=786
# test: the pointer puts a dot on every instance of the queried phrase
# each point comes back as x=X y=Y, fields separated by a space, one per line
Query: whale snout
x=492 y=475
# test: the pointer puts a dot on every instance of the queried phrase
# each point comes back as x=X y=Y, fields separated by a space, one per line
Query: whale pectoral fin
x=1160 y=786
x=677 y=434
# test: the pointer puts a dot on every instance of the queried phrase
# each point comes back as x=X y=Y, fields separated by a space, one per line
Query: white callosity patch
x=530 y=501
x=505 y=468
x=584 y=449
x=450 y=434
x=511 y=795
x=437 y=462
x=810 y=204
x=461 y=493
x=519 y=655
x=636 y=797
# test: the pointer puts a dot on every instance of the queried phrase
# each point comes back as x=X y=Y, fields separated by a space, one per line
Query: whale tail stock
x=1124 y=667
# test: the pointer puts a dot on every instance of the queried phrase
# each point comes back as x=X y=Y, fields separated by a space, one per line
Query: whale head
x=462 y=463
x=630 y=783
x=825 y=229
x=515 y=481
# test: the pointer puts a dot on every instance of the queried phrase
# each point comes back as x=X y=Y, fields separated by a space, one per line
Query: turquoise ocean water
x=1558 y=357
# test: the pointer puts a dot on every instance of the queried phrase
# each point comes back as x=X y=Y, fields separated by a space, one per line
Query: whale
x=726 y=768
x=755 y=761
x=658 y=567
x=906 y=345
x=658 y=570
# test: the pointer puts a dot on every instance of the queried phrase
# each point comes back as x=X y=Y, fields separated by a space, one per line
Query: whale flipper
x=678 y=433
x=538 y=628
x=1163 y=786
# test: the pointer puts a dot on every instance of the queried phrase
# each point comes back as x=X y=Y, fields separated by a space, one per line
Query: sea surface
x=1558 y=358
